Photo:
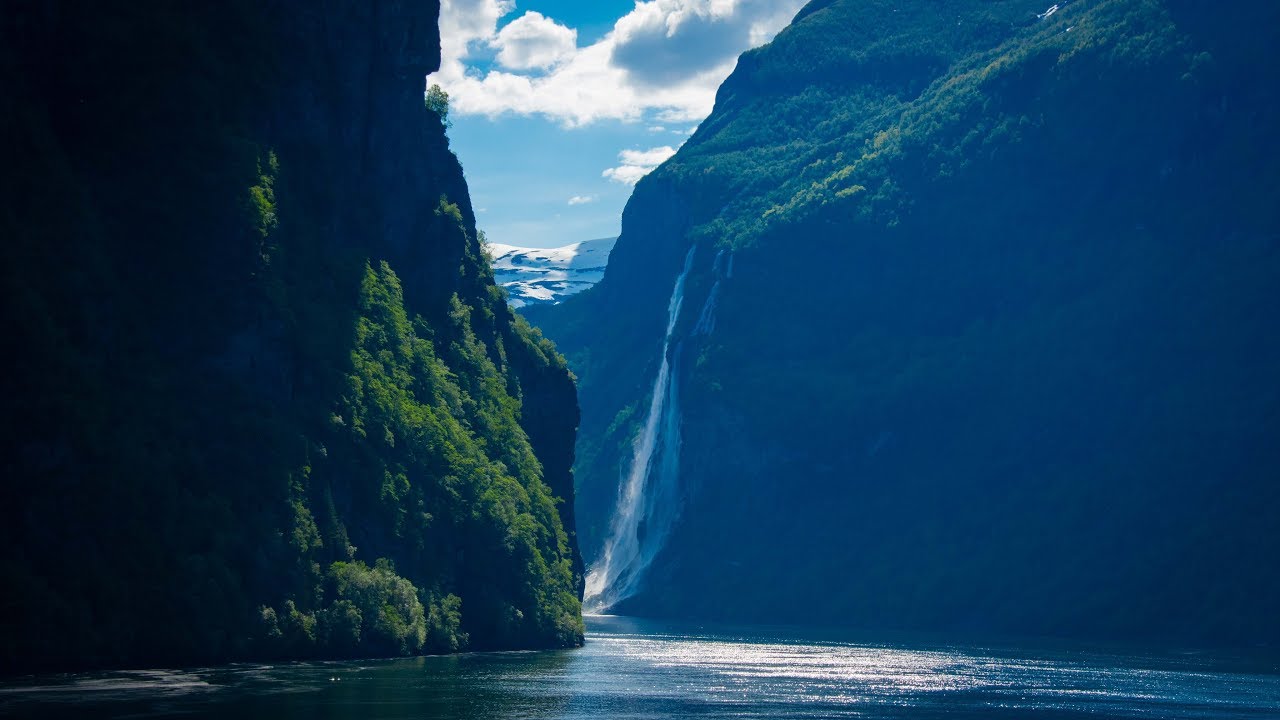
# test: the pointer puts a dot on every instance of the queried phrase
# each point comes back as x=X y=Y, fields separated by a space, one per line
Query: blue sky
x=560 y=106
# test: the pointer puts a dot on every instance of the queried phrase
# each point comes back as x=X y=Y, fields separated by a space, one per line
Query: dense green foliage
x=232 y=429
x=370 y=611
x=437 y=101
x=998 y=351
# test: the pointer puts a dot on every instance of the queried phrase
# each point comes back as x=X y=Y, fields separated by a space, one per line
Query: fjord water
x=642 y=669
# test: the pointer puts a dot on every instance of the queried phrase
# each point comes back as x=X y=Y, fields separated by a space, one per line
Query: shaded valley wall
x=267 y=400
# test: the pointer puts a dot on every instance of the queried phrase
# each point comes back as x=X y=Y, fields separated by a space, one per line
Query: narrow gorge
x=924 y=363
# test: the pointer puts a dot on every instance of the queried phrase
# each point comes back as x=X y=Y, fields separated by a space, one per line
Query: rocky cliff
x=267 y=400
x=978 y=330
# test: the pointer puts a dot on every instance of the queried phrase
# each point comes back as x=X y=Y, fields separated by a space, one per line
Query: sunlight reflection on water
x=638 y=669
x=829 y=679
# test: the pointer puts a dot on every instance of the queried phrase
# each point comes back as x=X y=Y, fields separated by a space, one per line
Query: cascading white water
x=648 y=499
x=707 y=318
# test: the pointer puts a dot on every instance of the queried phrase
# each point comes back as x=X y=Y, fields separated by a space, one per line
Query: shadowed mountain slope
x=979 y=332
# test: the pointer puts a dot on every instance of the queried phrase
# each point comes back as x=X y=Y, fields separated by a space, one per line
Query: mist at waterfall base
x=648 y=501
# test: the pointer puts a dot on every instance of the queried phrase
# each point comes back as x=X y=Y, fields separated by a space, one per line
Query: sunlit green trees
x=437 y=101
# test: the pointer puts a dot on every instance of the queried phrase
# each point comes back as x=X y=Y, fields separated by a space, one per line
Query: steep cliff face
x=267 y=399
x=978 y=333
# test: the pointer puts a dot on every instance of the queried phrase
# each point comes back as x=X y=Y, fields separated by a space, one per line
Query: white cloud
x=653 y=156
x=464 y=22
x=582 y=199
x=638 y=163
x=534 y=41
x=665 y=41
x=657 y=128
x=662 y=61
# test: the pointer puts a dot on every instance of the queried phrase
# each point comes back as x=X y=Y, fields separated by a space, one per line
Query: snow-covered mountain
x=536 y=276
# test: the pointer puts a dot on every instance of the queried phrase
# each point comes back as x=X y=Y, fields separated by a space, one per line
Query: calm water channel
x=640 y=669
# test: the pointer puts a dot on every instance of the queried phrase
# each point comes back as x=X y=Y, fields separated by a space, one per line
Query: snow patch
x=538 y=276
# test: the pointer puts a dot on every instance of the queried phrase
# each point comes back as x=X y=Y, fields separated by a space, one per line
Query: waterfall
x=707 y=318
x=648 y=499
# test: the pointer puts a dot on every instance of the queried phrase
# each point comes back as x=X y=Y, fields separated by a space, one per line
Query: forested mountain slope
x=262 y=397
x=979 y=331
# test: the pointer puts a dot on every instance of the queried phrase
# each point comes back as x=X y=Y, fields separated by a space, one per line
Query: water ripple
x=636 y=670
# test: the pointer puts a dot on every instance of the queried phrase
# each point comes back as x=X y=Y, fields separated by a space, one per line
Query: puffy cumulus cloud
x=665 y=41
x=582 y=199
x=581 y=90
x=462 y=23
x=534 y=41
x=662 y=61
x=638 y=163
x=467 y=20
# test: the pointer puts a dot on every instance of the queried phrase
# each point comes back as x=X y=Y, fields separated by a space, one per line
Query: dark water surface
x=639 y=669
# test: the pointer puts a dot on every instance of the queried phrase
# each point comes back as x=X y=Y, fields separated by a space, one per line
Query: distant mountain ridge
x=545 y=276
